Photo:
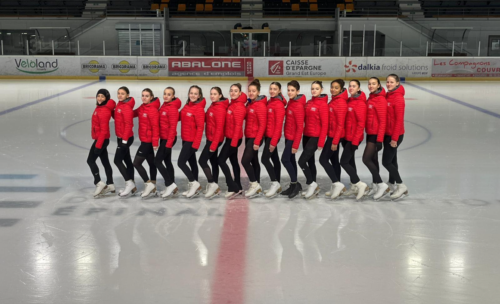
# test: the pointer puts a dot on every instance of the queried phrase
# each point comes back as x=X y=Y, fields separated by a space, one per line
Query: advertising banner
x=108 y=66
x=300 y=67
x=210 y=67
x=355 y=67
x=154 y=67
x=38 y=66
x=465 y=67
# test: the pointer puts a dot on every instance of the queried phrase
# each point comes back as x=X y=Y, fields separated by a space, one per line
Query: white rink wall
x=230 y=67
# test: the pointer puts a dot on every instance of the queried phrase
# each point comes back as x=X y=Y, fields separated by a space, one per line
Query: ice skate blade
x=257 y=194
x=276 y=194
x=386 y=193
x=402 y=196
x=173 y=194
x=198 y=191
x=216 y=193
x=151 y=195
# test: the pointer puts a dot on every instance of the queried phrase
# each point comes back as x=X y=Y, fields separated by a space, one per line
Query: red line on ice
x=229 y=279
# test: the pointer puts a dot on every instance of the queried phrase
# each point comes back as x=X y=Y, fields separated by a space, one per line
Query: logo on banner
x=36 y=66
x=276 y=67
x=350 y=66
x=154 y=67
x=124 y=66
x=210 y=67
x=94 y=66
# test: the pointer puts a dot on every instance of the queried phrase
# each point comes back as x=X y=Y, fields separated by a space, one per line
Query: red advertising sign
x=276 y=67
x=229 y=67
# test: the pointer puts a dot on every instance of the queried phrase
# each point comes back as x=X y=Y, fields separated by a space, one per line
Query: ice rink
x=59 y=245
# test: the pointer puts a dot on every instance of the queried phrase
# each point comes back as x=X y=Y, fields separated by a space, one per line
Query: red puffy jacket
x=256 y=119
x=215 y=119
x=337 y=113
x=376 y=115
x=124 y=118
x=356 y=119
x=193 y=122
x=235 y=116
x=317 y=118
x=169 y=117
x=100 y=122
x=149 y=122
x=275 y=116
x=294 y=123
x=395 y=113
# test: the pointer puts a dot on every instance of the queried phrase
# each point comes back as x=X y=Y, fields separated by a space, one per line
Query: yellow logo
x=123 y=66
x=154 y=66
x=94 y=66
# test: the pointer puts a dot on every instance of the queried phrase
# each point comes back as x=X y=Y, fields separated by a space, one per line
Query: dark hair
x=199 y=90
x=125 y=89
x=295 y=84
x=356 y=81
x=170 y=88
x=150 y=92
x=341 y=82
x=276 y=84
x=218 y=91
x=396 y=77
x=238 y=85
x=378 y=80
x=318 y=82
x=255 y=83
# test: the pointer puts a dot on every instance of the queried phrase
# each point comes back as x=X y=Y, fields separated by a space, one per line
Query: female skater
x=235 y=116
x=275 y=116
x=376 y=117
x=215 y=119
x=394 y=134
x=315 y=131
x=100 y=134
x=294 y=126
x=169 y=117
x=149 y=134
x=254 y=131
x=329 y=159
x=354 y=128
x=124 y=123
x=192 y=126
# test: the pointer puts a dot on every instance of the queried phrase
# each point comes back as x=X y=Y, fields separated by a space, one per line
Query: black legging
x=233 y=185
x=123 y=155
x=250 y=161
x=330 y=161
x=390 y=159
x=274 y=169
x=347 y=160
x=288 y=160
x=306 y=160
x=188 y=154
x=150 y=158
x=164 y=154
x=212 y=175
x=91 y=161
x=370 y=158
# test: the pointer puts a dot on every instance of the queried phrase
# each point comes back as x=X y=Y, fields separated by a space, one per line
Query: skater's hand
x=354 y=147
x=271 y=148
x=256 y=148
x=379 y=146
x=319 y=148
x=294 y=150
x=155 y=148
x=212 y=151
x=124 y=142
x=334 y=147
x=394 y=144
x=97 y=151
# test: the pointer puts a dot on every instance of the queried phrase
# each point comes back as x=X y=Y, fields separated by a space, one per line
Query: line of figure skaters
x=319 y=123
